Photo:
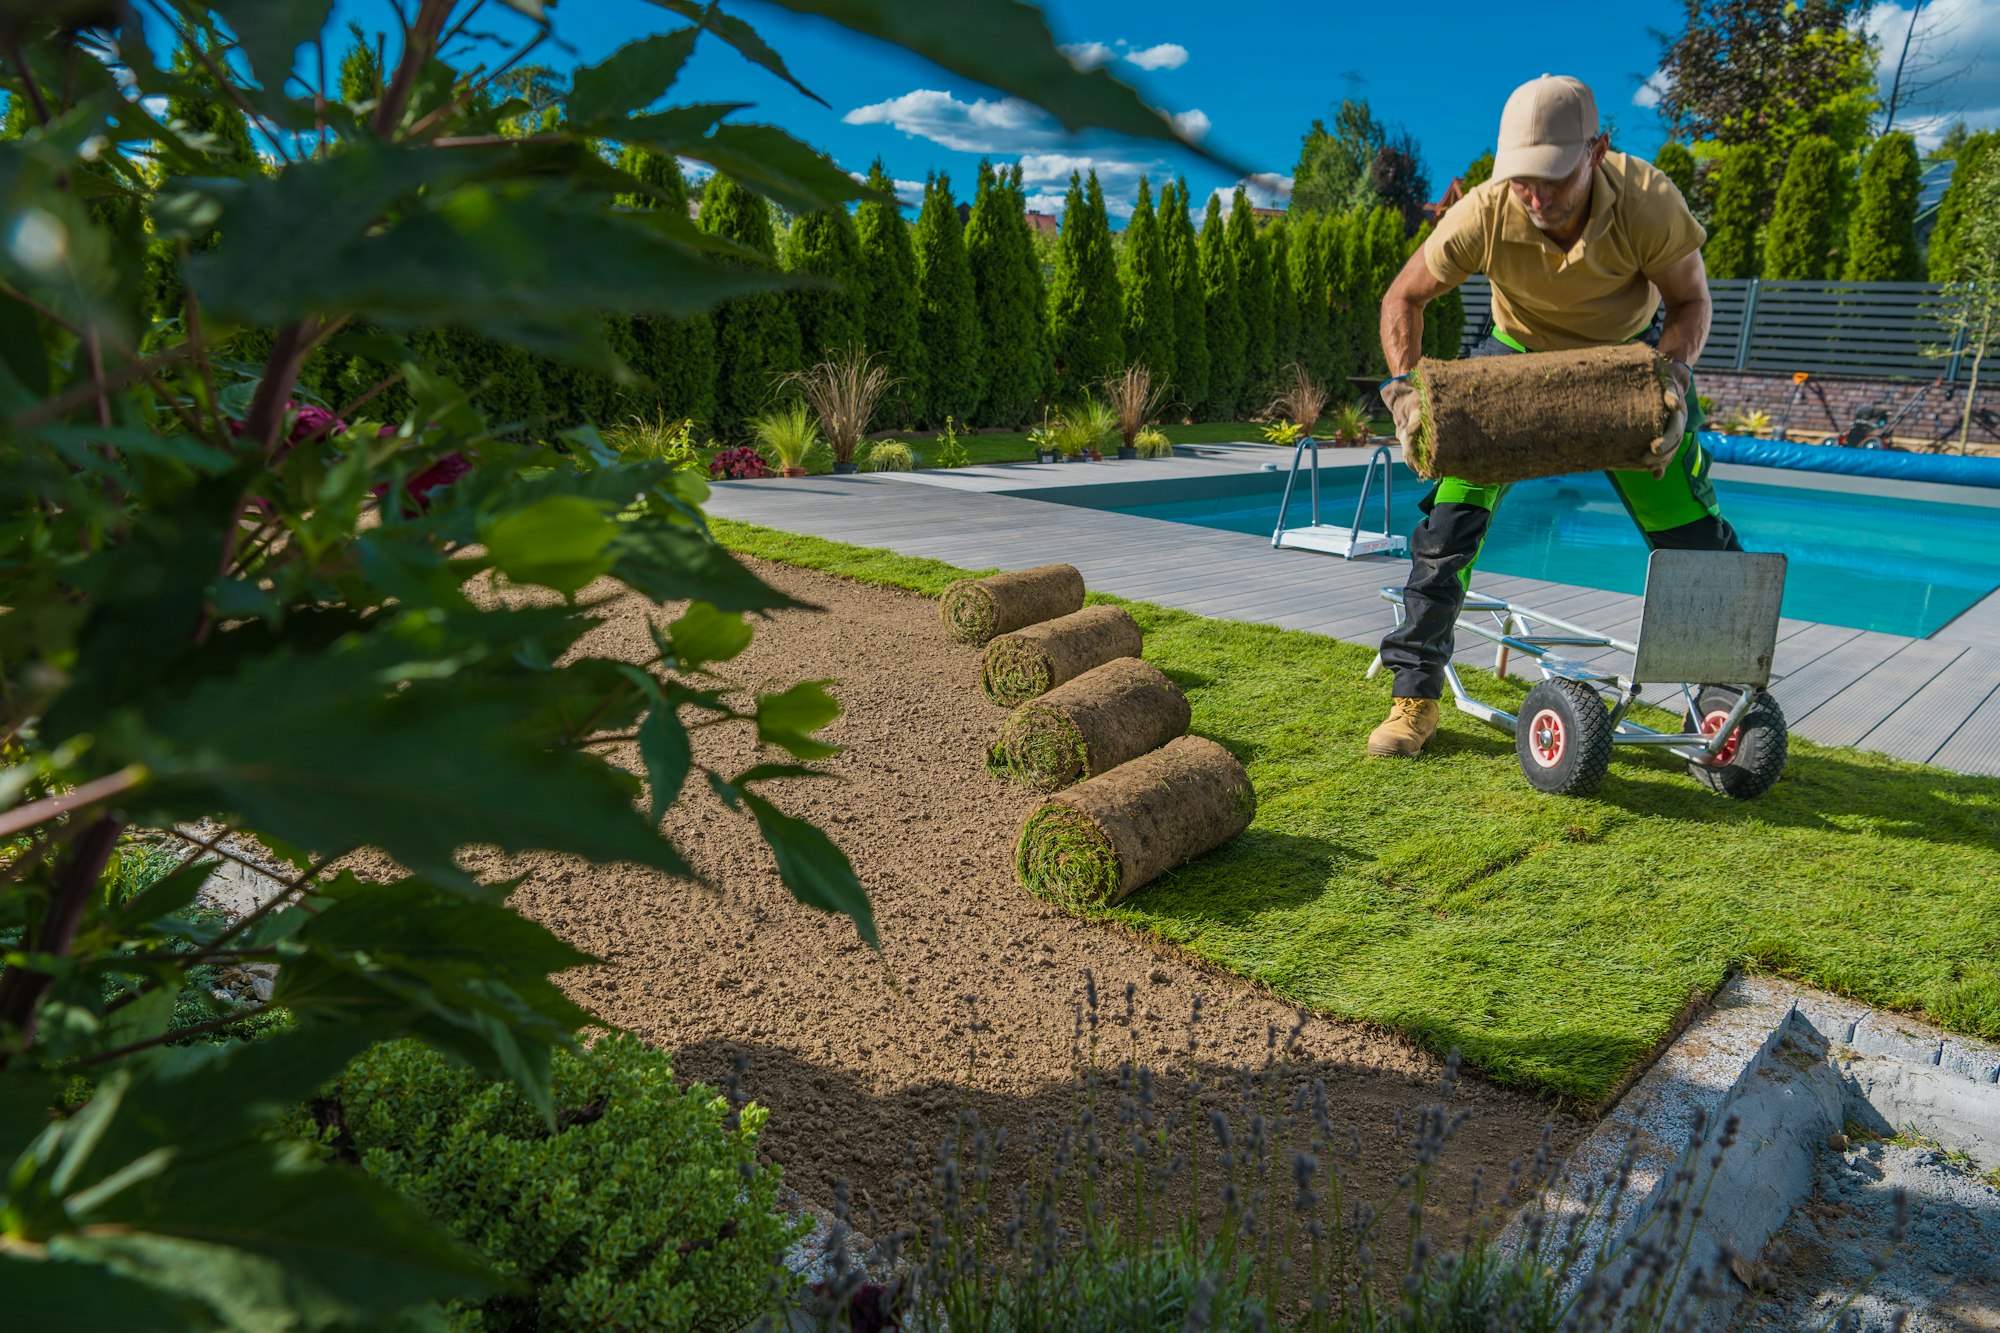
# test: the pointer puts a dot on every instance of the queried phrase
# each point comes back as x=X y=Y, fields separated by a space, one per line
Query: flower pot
x=845 y=469
x=795 y=472
x=1127 y=451
x=1046 y=456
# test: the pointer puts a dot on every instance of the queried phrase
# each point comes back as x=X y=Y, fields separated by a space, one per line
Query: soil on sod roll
x=975 y=610
x=858 y=1055
x=1103 y=718
x=1494 y=419
x=1098 y=842
x=1030 y=662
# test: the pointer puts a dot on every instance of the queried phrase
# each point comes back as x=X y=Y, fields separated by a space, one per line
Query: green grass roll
x=1493 y=419
x=1091 y=846
x=974 y=610
x=1108 y=716
x=1032 y=661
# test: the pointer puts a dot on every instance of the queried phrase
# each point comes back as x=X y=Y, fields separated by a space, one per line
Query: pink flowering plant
x=317 y=614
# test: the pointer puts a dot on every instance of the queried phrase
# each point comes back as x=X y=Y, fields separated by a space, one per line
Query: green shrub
x=1674 y=161
x=889 y=456
x=1740 y=181
x=1153 y=444
x=1882 y=234
x=785 y=435
x=1089 y=427
x=658 y=437
x=950 y=453
x=1802 y=242
x=1085 y=304
x=645 y=1208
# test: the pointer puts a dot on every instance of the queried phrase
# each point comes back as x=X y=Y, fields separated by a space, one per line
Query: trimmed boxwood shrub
x=644 y=1206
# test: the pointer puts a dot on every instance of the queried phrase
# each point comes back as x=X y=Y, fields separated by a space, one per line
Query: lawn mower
x=1709 y=622
x=1872 y=429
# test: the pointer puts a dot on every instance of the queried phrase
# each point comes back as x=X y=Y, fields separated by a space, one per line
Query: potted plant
x=843 y=392
x=1095 y=424
x=1152 y=443
x=1300 y=398
x=786 y=436
x=1043 y=439
x=1134 y=399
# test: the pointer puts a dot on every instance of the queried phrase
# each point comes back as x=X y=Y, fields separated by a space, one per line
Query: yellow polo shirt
x=1594 y=295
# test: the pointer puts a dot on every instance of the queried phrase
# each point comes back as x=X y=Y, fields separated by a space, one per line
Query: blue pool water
x=1873 y=562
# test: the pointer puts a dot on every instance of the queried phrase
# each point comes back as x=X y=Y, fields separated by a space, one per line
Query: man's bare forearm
x=1685 y=332
x=1402 y=333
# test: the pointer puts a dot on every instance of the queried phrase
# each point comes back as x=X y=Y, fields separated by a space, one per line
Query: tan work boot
x=1411 y=724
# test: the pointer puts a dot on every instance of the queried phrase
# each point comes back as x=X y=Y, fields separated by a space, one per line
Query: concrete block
x=1897 y=1039
x=1828 y=1015
x=1976 y=1060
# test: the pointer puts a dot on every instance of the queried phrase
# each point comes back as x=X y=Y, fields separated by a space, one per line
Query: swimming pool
x=1869 y=561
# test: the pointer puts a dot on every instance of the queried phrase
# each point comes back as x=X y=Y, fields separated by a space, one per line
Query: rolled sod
x=1108 y=716
x=1032 y=661
x=1494 y=419
x=1091 y=846
x=974 y=610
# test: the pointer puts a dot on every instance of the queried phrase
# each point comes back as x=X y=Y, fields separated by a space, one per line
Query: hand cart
x=1709 y=622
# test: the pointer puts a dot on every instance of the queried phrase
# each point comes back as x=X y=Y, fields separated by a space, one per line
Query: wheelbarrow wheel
x=1563 y=738
x=1751 y=760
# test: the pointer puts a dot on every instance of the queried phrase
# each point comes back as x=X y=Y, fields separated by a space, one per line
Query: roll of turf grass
x=1494 y=419
x=1108 y=716
x=1032 y=661
x=974 y=610
x=1089 y=847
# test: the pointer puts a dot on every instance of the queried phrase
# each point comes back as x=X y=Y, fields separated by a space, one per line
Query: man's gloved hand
x=1401 y=398
x=1669 y=442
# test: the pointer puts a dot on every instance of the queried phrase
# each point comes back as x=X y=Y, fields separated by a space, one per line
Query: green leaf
x=635 y=75
x=80 y=1296
x=739 y=35
x=765 y=159
x=788 y=720
x=704 y=634
x=669 y=562
x=817 y=872
x=558 y=543
x=271 y=33
x=664 y=746
x=1006 y=44
x=317 y=751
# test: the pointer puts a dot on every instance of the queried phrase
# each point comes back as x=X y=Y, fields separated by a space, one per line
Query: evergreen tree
x=1973 y=153
x=1190 y=296
x=1477 y=172
x=1085 y=306
x=1388 y=247
x=1225 y=320
x=360 y=70
x=1253 y=298
x=1335 y=167
x=1801 y=243
x=1741 y=176
x=1006 y=285
x=1337 y=241
x=1309 y=290
x=1882 y=234
x=1149 y=292
x=756 y=338
x=825 y=245
x=676 y=355
x=947 y=314
x=1677 y=164
x=889 y=297
x=1444 y=319
x=214 y=123
x=1284 y=297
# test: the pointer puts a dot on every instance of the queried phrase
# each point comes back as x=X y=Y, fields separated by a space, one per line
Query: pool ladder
x=1330 y=539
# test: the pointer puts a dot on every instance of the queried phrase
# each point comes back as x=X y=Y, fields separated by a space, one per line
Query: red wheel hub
x=1711 y=724
x=1546 y=738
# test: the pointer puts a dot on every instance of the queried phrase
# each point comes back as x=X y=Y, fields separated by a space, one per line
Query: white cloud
x=1651 y=91
x=1167 y=55
x=1007 y=125
x=908 y=193
x=1049 y=173
x=1193 y=124
x=1045 y=202
x=1088 y=55
x=1267 y=189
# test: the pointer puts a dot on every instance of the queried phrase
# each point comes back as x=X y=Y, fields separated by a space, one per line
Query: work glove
x=1402 y=400
x=1664 y=448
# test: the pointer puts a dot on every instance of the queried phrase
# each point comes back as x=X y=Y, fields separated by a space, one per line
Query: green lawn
x=1013 y=447
x=1554 y=941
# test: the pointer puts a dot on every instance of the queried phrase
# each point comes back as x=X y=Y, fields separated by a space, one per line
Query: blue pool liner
x=1948 y=469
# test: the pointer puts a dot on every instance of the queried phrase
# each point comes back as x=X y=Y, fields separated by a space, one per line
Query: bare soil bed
x=857 y=1054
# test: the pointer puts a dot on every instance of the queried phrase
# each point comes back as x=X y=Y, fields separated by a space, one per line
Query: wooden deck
x=1934 y=700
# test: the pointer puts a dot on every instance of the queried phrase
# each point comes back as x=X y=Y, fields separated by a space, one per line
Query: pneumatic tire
x=1754 y=758
x=1563 y=738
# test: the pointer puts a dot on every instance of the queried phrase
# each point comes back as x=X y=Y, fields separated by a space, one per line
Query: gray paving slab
x=1975 y=746
x=1876 y=693
x=1802 y=691
x=1928 y=719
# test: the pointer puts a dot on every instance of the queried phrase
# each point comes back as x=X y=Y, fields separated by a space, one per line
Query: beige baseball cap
x=1547 y=124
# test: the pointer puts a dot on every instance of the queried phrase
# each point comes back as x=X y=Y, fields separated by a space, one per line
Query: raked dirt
x=858 y=1054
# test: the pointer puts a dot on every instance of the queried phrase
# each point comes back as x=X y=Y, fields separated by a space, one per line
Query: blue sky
x=1249 y=75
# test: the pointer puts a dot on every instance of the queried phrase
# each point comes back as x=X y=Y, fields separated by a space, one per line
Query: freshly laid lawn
x=1554 y=941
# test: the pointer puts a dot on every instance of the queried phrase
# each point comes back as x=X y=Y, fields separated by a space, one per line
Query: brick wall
x=1829 y=406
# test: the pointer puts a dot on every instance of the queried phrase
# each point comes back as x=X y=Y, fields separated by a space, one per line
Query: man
x=1581 y=245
